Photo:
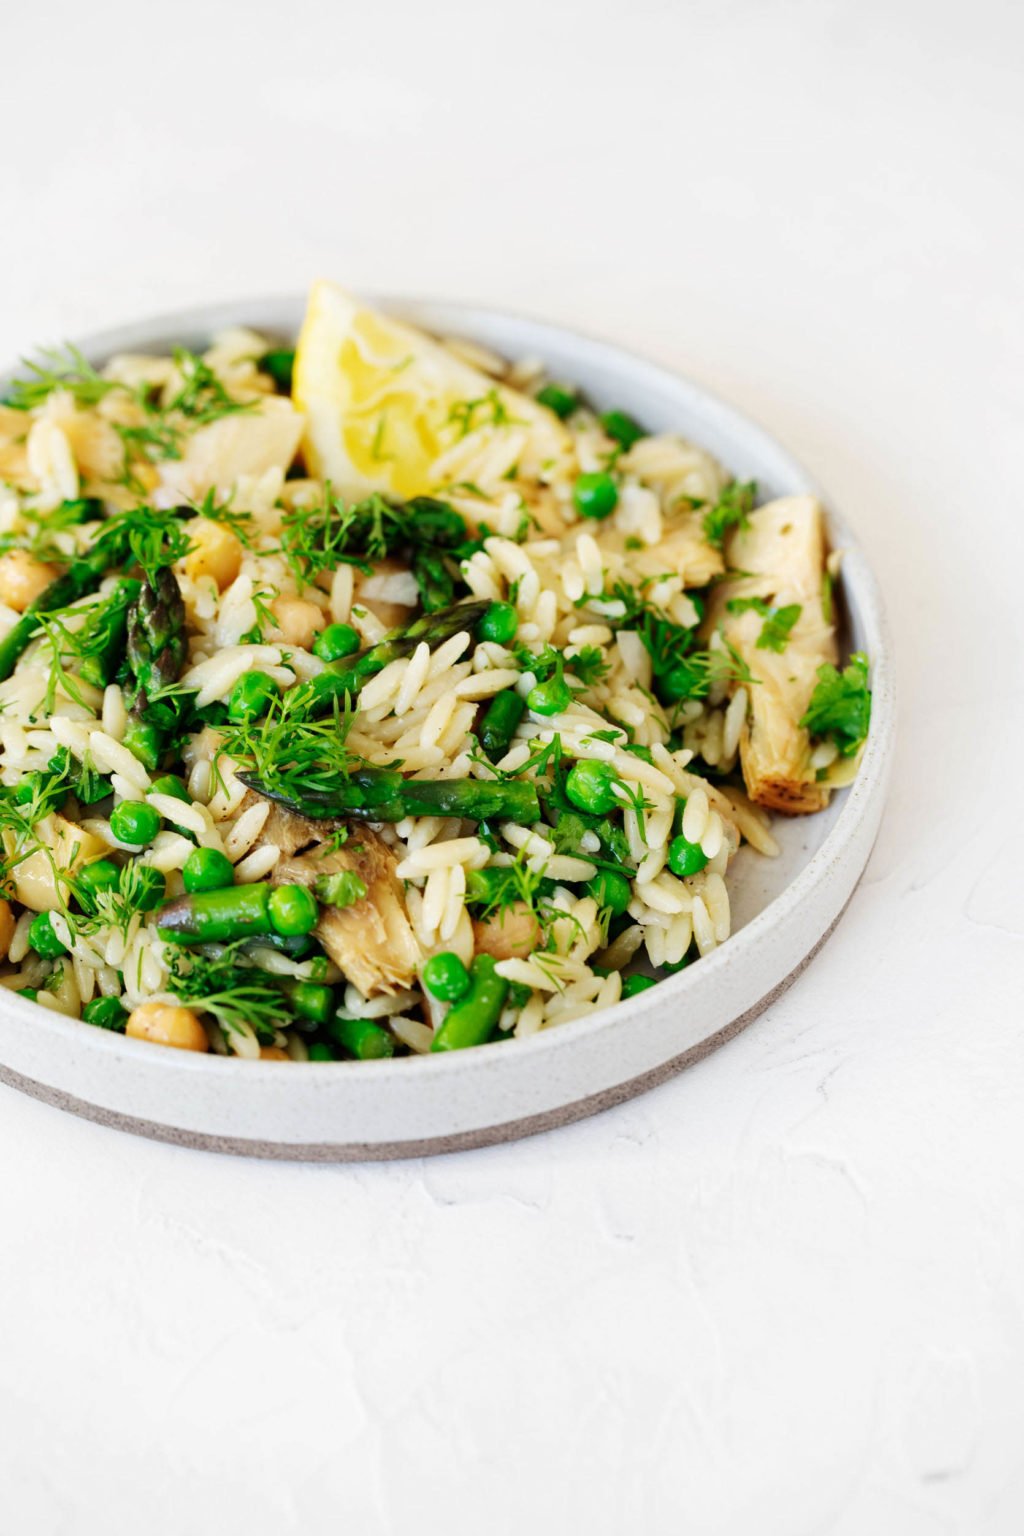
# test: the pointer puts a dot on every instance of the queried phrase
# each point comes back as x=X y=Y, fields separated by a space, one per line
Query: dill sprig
x=428 y=532
x=288 y=751
x=41 y=536
x=61 y=643
x=488 y=410
x=497 y=888
x=202 y=398
x=241 y=997
x=214 y=511
x=59 y=368
x=145 y=536
x=265 y=618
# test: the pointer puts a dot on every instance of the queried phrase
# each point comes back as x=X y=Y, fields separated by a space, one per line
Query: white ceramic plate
x=783 y=909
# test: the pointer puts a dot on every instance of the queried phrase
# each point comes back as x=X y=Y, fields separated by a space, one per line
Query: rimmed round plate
x=783 y=909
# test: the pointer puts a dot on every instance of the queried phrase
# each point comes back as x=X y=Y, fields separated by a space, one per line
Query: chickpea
x=7 y=925
x=164 y=1024
x=216 y=552
x=509 y=935
x=273 y=1053
x=296 y=622
x=22 y=579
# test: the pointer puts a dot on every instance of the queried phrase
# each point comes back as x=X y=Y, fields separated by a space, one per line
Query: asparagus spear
x=380 y=794
x=362 y=1038
x=236 y=912
x=501 y=718
x=217 y=917
x=157 y=649
x=474 y=1018
x=156 y=632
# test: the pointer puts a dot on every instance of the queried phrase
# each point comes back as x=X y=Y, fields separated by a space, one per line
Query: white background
x=782 y=1294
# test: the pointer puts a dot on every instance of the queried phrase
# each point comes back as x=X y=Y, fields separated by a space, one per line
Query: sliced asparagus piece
x=379 y=794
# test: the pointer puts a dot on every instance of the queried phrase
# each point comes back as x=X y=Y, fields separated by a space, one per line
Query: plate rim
x=859 y=798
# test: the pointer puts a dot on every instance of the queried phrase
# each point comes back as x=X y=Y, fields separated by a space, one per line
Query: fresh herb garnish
x=588 y=664
x=266 y=619
x=290 y=753
x=240 y=997
x=143 y=536
x=840 y=705
x=59 y=368
x=731 y=510
x=214 y=511
x=487 y=410
x=343 y=889
x=778 y=622
x=492 y=891
x=429 y=533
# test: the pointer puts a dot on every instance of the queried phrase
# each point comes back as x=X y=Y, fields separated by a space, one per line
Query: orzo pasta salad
x=380 y=696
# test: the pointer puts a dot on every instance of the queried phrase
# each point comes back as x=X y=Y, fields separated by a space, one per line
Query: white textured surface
x=781 y=1294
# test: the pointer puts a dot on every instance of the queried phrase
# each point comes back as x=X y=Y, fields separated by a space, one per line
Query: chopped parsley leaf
x=343 y=889
x=731 y=510
x=840 y=705
x=778 y=622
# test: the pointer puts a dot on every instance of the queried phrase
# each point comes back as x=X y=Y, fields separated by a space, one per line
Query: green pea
x=43 y=939
x=319 y=1050
x=207 y=869
x=559 y=399
x=499 y=624
x=152 y=888
x=484 y=885
x=293 y=909
x=169 y=784
x=106 y=1013
x=83 y=509
x=590 y=787
x=611 y=890
x=550 y=698
x=101 y=875
x=620 y=426
x=445 y=977
x=596 y=494
x=685 y=858
x=134 y=822
x=681 y=682
x=278 y=363
x=251 y=697
x=336 y=641
x=634 y=984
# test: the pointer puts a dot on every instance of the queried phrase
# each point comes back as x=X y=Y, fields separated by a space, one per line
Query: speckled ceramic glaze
x=783 y=908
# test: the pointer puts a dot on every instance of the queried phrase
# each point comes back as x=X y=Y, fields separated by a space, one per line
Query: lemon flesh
x=388 y=409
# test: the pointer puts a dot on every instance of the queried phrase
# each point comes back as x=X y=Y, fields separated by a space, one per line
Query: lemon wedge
x=389 y=409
